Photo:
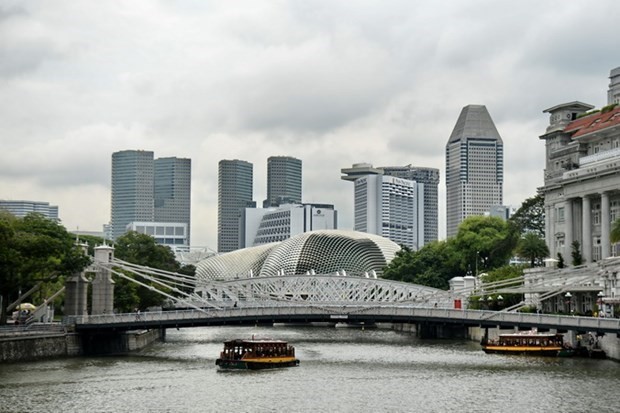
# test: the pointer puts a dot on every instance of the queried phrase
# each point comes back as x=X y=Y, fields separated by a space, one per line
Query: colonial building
x=582 y=176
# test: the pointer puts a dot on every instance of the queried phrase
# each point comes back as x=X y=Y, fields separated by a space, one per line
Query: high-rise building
x=474 y=167
x=430 y=178
x=275 y=224
x=132 y=189
x=386 y=205
x=283 y=181
x=145 y=189
x=22 y=208
x=172 y=195
x=234 y=193
x=582 y=177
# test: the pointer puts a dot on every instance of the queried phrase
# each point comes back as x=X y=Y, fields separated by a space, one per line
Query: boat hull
x=527 y=350
x=256 y=364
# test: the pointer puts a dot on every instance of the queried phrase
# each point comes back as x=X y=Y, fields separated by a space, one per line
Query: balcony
x=601 y=156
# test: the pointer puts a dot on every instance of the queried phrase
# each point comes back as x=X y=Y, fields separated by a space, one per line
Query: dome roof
x=321 y=252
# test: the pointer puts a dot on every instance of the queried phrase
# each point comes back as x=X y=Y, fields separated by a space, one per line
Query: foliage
x=576 y=253
x=533 y=248
x=615 y=231
x=485 y=242
x=561 y=263
x=141 y=249
x=530 y=217
x=34 y=250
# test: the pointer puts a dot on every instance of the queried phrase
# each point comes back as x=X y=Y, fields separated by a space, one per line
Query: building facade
x=474 y=167
x=21 y=208
x=172 y=194
x=145 y=189
x=283 y=181
x=582 y=176
x=132 y=189
x=234 y=193
x=172 y=234
x=430 y=178
x=276 y=224
x=386 y=205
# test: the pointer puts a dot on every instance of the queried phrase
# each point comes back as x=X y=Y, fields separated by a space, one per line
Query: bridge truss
x=187 y=291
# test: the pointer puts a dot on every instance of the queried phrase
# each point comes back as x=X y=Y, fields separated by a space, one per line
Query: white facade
x=391 y=207
x=173 y=234
x=267 y=225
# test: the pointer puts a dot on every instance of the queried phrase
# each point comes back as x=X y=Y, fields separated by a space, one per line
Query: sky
x=330 y=82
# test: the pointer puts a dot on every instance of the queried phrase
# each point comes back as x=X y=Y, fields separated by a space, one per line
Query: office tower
x=22 y=208
x=132 y=189
x=151 y=191
x=234 y=193
x=430 y=178
x=283 y=181
x=386 y=205
x=474 y=167
x=275 y=224
x=172 y=194
x=581 y=177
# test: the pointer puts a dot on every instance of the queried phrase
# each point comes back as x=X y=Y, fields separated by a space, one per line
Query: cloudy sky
x=330 y=82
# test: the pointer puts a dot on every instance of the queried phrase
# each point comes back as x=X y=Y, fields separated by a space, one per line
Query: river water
x=341 y=370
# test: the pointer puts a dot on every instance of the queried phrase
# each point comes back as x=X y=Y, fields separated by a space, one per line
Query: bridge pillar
x=103 y=285
x=76 y=292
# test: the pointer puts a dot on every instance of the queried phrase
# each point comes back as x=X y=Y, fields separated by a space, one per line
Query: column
x=568 y=229
x=549 y=230
x=605 y=226
x=587 y=229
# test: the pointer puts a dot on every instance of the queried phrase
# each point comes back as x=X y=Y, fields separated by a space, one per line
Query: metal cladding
x=315 y=252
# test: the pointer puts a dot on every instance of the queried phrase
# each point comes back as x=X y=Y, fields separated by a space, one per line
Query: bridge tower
x=103 y=285
x=76 y=291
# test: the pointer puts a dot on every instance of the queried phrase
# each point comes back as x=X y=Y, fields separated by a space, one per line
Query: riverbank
x=46 y=341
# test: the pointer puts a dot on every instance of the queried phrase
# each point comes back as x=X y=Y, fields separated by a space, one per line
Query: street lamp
x=490 y=301
x=481 y=302
x=601 y=311
x=569 y=297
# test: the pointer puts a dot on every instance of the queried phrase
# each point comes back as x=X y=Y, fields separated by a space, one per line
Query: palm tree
x=532 y=247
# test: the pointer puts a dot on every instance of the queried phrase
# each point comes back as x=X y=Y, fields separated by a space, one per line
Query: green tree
x=141 y=249
x=34 y=250
x=614 y=236
x=560 y=261
x=576 y=253
x=533 y=248
x=530 y=217
x=485 y=242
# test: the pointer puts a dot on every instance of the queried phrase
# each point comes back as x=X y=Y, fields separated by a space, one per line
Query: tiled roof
x=593 y=123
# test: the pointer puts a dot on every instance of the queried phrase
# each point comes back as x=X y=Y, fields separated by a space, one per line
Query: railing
x=584 y=160
x=402 y=313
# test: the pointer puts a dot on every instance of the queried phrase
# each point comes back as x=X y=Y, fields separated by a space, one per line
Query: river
x=341 y=370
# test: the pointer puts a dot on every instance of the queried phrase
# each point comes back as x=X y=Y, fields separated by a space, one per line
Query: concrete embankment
x=40 y=345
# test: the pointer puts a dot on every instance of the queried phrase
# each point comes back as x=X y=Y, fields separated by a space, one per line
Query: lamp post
x=490 y=301
x=601 y=310
x=481 y=302
x=568 y=297
x=500 y=301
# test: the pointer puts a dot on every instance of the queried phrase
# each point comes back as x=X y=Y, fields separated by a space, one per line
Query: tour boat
x=527 y=342
x=256 y=354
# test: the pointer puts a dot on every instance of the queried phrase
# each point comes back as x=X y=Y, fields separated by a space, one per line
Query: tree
x=485 y=242
x=530 y=217
x=560 y=261
x=141 y=249
x=614 y=236
x=533 y=248
x=576 y=253
x=34 y=250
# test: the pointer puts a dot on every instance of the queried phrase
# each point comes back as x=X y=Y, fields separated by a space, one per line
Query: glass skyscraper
x=145 y=189
x=474 y=167
x=283 y=181
x=234 y=193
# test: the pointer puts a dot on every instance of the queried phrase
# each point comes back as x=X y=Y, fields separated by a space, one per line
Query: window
x=560 y=214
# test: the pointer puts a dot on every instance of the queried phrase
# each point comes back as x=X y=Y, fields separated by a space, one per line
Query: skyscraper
x=172 y=194
x=132 y=189
x=234 y=192
x=386 y=205
x=430 y=178
x=149 y=190
x=474 y=167
x=283 y=181
x=22 y=208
